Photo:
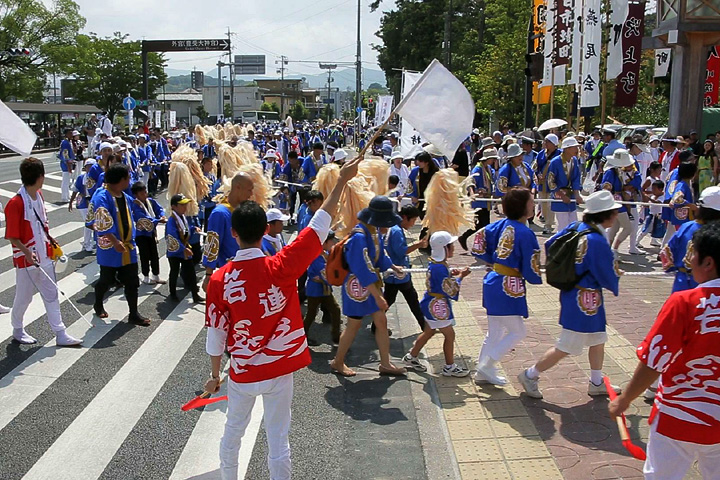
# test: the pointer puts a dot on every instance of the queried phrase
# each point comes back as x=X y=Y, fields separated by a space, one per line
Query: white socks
x=532 y=373
x=596 y=377
x=23 y=337
x=63 y=339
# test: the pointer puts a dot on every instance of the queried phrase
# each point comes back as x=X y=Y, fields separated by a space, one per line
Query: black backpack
x=560 y=263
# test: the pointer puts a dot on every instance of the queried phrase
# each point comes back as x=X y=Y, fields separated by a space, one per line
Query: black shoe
x=326 y=319
x=174 y=297
x=312 y=342
x=463 y=242
x=197 y=298
x=138 y=319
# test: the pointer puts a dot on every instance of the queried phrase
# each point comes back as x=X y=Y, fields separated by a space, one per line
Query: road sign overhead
x=129 y=103
x=250 y=64
x=217 y=44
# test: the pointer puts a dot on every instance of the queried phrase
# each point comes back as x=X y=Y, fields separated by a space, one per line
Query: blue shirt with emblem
x=317 y=284
x=510 y=176
x=146 y=216
x=220 y=245
x=107 y=220
x=396 y=247
x=441 y=288
x=677 y=254
x=558 y=178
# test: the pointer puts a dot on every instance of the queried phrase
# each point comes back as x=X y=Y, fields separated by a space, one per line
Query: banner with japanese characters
x=383 y=108
x=576 y=45
x=615 y=48
x=592 y=35
x=410 y=139
x=562 y=31
x=549 y=43
x=627 y=84
x=662 y=61
x=712 y=77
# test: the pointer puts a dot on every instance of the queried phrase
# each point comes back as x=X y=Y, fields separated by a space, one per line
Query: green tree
x=270 y=107
x=49 y=33
x=202 y=113
x=227 y=111
x=108 y=69
x=299 y=111
x=328 y=113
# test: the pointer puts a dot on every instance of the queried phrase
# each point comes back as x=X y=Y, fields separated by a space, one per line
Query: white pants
x=504 y=332
x=27 y=282
x=565 y=218
x=65 y=187
x=547 y=213
x=88 y=241
x=623 y=221
x=669 y=459
x=277 y=396
x=634 y=229
x=74 y=174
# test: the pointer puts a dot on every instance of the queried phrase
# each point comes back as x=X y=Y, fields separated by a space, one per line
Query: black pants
x=197 y=253
x=186 y=268
x=482 y=219
x=411 y=297
x=128 y=276
x=206 y=217
x=147 y=248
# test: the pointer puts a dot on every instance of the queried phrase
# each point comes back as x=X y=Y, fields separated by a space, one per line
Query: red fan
x=632 y=449
x=203 y=400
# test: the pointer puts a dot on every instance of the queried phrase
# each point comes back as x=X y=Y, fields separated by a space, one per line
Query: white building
x=247 y=98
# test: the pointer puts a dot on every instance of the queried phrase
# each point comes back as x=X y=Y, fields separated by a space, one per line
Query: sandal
x=139 y=320
x=345 y=371
x=102 y=314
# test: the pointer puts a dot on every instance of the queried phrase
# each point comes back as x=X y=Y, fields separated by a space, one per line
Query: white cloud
x=299 y=29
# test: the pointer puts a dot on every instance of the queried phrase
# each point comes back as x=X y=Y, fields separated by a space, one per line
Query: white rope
x=488 y=268
x=551 y=200
x=293 y=184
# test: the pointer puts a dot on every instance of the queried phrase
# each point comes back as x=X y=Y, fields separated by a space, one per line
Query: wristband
x=213 y=377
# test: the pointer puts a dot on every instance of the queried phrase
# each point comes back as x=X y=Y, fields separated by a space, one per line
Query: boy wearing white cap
x=582 y=309
x=273 y=241
x=563 y=182
x=443 y=286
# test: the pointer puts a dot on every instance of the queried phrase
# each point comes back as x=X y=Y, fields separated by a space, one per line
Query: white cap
x=438 y=242
x=476 y=131
x=270 y=154
x=98 y=131
x=569 y=142
x=497 y=132
x=654 y=138
x=552 y=138
x=397 y=155
x=90 y=162
x=105 y=145
x=274 y=214
x=75 y=132
x=601 y=201
x=340 y=154
x=710 y=198
x=620 y=158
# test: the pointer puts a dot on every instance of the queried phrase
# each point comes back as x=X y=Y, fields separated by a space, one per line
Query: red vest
x=18 y=227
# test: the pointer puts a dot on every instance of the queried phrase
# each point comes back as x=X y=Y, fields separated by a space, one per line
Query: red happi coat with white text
x=684 y=346
x=255 y=302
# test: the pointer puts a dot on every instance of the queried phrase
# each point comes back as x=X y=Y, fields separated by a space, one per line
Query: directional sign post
x=359 y=109
x=129 y=103
x=213 y=44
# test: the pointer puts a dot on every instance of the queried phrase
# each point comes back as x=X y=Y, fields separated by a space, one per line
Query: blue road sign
x=129 y=103
x=358 y=110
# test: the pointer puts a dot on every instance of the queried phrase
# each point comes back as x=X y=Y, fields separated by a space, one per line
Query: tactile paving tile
x=484 y=471
x=518 y=448
x=505 y=408
x=470 y=429
x=476 y=450
x=463 y=411
x=535 y=469
x=513 y=427
x=457 y=394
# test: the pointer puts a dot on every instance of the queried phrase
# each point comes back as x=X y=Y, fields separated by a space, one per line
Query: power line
x=300 y=20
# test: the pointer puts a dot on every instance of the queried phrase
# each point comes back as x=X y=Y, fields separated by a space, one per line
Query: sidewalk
x=499 y=434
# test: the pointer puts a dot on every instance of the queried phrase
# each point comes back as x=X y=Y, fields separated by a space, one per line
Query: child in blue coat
x=179 y=251
x=320 y=293
x=443 y=286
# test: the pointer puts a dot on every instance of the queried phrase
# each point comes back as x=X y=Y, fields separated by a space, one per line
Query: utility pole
x=220 y=90
x=358 y=76
x=329 y=67
x=281 y=71
x=447 y=40
x=231 y=66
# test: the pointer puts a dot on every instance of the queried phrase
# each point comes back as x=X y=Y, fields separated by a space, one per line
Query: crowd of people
x=255 y=281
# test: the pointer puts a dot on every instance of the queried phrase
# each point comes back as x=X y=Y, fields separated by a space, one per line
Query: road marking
x=60 y=230
x=30 y=379
x=45 y=187
x=86 y=447
x=50 y=207
x=199 y=458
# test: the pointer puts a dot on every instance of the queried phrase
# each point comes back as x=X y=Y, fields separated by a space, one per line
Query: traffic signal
x=19 y=52
x=370 y=101
x=534 y=69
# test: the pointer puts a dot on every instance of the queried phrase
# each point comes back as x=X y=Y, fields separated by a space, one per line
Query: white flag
x=440 y=108
x=592 y=33
x=662 y=61
x=383 y=108
x=547 y=79
x=410 y=139
x=576 y=46
x=615 y=45
x=172 y=116
x=14 y=132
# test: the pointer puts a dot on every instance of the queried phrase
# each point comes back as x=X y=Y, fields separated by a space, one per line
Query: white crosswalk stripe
x=46 y=187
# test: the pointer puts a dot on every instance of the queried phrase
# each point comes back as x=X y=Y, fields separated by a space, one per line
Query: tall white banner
x=662 y=61
x=383 y=108
x=592 y=35
x=410 y=139
x=158 y=118
x=131 y=119
x=172 y=118
x=618 y=15
x=549 y=43
x=453 y=109
x=14 y=133
x=576 y=45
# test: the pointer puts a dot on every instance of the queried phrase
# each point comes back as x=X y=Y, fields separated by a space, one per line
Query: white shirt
x=40 y=250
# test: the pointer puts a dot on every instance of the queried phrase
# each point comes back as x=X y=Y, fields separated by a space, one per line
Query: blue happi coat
x=396 y=247
x=483 y=176
x=104 y=212
x=582 y=309
x=676 y=256
x=220 y=245
x=513 y=251
x=441 y=288
x=317 y=284
x=145 y=220
x=558 y=179
x=510 y=176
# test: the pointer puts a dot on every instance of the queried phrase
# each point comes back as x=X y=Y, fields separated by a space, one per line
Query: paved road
x=111 y=409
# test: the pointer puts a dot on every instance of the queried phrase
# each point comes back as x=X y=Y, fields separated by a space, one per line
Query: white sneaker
x=600 y=390
x=455 y=370
x=63 y=339
x=487 y=373
x=637 y=251
x=650 y=393
x=655 y=243
x=4 y=309
x=414 y=363
x=158 y=280
x=21 y=336
x=148 y=281
x=529 y=385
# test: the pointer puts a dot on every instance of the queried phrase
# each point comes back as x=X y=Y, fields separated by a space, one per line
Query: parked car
x=630 y=130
